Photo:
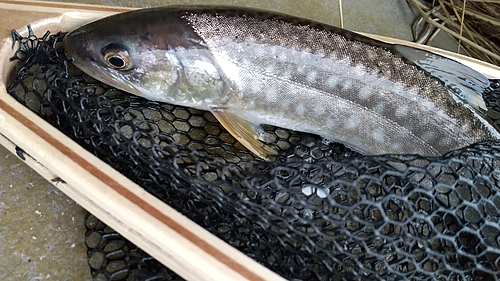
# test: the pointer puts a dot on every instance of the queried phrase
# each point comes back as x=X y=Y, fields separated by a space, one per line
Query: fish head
x=155 y=55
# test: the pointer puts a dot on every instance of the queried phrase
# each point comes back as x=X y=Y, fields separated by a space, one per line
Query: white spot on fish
x=379 y=135
x=300 y=109
x=255 y=88
x=250 y=104
x=402 y=111
x=271 y=94
x=353 y=122
x=346 y=84
x=311 y=77
x=445 y=141
x=286 y=103
x=330 y=124
x=332 y=82
x=319 y=108
x=379 y=108
x=301 y=69
x=365 y=92
x=428 y=136
x=396 y=146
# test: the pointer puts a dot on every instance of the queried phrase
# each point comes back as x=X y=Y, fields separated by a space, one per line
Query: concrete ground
x=42 y=230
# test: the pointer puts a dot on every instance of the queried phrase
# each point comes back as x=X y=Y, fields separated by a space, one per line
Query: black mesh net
x=112 y=257
x=320 y=211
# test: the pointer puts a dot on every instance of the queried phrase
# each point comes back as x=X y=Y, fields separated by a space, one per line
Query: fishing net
x=320 y=211
x=112 y=257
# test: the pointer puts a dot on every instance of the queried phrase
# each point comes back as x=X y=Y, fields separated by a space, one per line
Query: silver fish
x=250 y=67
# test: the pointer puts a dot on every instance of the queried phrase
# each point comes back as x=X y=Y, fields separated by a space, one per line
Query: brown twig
x=474 y=24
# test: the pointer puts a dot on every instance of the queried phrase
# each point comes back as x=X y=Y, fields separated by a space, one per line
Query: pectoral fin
x=465 y=82
x=245 y=132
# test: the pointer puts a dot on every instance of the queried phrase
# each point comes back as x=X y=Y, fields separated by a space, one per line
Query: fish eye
x=117 y=57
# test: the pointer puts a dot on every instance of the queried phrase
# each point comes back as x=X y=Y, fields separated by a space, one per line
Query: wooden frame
x=170 y=237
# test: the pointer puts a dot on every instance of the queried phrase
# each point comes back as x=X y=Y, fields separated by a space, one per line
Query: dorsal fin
x=464 y=81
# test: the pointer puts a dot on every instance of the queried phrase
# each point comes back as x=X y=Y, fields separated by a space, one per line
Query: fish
x=250 y=67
